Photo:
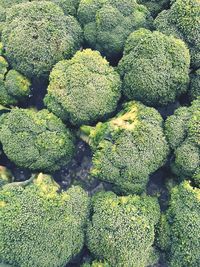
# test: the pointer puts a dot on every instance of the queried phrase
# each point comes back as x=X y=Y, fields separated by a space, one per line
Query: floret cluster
x=99 y=133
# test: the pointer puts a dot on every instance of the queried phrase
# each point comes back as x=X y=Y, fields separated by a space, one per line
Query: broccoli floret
x=36 y=140
x=128 y=148
x=121 y=229
x=154 y=68
x=195 y=85
x=84 y=89
x=69 y=6
x=108 y=23
x=96 y=264
x=37 y=35
x=183 y=134
x=182 y=21
x=179 y=228
x=5 y=177
x=155 y=6
x=14 y=87
x=39 y=226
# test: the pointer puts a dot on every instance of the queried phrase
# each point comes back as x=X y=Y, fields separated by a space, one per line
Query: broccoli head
x=36 y=140
x=84 y=89
x=37 y=35
x=128 y=148
x=108 y=23
x=179 y=227
x=155 y=6
x=14 y=87
x=195 y=85
x=121 y=229
x=154 y=68
x=39 y=225
x=183 y=134
x=182 y=21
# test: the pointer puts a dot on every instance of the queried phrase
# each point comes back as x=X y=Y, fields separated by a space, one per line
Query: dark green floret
x=195 y=84
x=128 y=148
x=37 y=35
x=36 y=140
x=108 y=23
x=182 y=21
x=183 y=134
x=121 y=230
x=155 y=6
x=179 y=228
x=39 y=226
x=83 y=90
x=154 y=68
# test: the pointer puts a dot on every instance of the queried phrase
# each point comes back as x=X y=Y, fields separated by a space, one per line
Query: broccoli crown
x=182 y=21
x=14 y=87
x=39 y=226
x=36 y=35
x=183 y=134
x=155 y=6
x=36 y=140
x=179 y=228
x=128 y=148
x=108 y=23
x=121 y=229
x=195 y=85
x=154 y=68
x=84 y=89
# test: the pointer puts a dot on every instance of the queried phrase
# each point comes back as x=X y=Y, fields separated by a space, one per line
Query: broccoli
x=195 y=85
x=121 y=229
x=36 y=140
x=69 y=6
x=39 y=226
x=5 y=177
x=14 y=87
x=154 y=68
x=84 y=89
x=37 y=35
x=155 y=6
x=128 y=148
x=182 y=21
x=108 y=23
x=179 y=227
x=183 y=134
x=96 y=264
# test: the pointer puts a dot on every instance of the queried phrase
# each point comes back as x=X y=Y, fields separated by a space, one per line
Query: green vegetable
x=154 y=68
x=128 y=148
x=155 y=6
x=84 y=89
x=121 y=230
x=195 y=85
x=36 y=140
x=39 y=226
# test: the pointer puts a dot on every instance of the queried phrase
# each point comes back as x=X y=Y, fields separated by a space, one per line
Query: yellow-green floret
x=154 y=68
x=36 y=140
x=84 y=89
x=128 y=148
x=121 y=230
x=40 y=224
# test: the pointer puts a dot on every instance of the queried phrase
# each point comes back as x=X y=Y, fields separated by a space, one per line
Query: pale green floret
x=179 y=227
x=154 y=68
x=5 y=176
x=121 y=230
x=14 y=87
x=108 y=23
x=83 y=90
x=195 y=85
x=128 y=148
x=183 y=134
x=40 y=224
x=96 y=264
x=36 y=140
x=37 y=35
x=155 y=6
x=182 y=21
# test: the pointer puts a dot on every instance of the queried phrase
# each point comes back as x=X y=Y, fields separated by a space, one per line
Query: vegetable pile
x=99 y=133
